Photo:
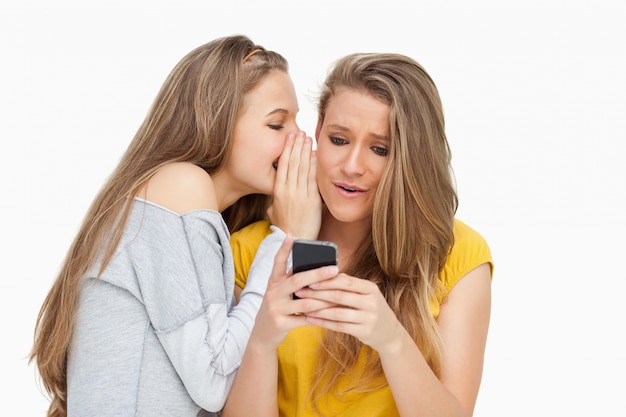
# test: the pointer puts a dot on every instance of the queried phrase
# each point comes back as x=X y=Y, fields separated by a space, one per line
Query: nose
x=292 y=129
x=354 y=162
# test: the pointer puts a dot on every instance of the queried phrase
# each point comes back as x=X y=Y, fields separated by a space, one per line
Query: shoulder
x=470 y=249
x=245 y=242
x=252 y=234
x=181 y=187
x=466 y=237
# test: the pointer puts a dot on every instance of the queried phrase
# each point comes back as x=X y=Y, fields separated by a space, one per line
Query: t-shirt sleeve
x=244 y=244
x=470 y=250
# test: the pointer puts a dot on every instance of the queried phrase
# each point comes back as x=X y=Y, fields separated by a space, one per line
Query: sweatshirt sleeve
x=185 y=274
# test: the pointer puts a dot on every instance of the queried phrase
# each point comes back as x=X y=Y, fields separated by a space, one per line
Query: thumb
x=279 y=270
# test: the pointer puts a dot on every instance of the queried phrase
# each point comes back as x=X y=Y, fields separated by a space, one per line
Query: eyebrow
x=345 y=129
x=281 y=111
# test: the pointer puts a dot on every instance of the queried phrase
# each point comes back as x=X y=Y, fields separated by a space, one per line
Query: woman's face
x=352 y=147
x=267 y=117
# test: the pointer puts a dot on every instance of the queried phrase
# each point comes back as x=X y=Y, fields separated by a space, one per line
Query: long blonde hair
x=192 y=120
x=412 y=224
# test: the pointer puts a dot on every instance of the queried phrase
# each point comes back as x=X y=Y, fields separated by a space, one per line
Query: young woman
x=401 y=331
x=141 y=319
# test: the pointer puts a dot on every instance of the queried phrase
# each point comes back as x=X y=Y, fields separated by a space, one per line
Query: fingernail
x=332 y=270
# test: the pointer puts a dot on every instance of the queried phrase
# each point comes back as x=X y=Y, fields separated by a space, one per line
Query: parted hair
x=192 y=119
x=413 y=216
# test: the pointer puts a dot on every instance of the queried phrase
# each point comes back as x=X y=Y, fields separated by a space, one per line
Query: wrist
x=397 y=343
x=259 y=347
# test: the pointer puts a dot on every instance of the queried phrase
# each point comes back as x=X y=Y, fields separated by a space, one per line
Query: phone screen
x=311 y=254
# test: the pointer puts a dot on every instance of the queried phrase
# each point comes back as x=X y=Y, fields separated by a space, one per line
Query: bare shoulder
x=181 y=187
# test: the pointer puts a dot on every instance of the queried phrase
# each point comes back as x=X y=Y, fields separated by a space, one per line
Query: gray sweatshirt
x=159 y=334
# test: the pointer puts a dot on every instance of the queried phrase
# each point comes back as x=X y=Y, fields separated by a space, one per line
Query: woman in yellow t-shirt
x=401 y=330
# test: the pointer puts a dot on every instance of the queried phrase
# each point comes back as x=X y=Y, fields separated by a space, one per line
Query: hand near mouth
x=297 y=206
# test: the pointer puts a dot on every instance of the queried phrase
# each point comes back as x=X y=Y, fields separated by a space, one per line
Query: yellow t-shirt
x=297 y=354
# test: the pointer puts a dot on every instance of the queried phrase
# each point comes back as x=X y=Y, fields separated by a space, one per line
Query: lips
x=349 y=188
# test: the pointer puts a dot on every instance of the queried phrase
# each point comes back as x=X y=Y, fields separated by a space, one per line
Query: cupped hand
x=358 y=308
x=279 y=312
x=296 y=205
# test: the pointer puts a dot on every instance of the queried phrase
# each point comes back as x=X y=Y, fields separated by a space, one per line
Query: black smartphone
x=311 y=254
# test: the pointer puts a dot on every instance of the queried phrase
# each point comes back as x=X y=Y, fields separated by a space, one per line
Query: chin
x=346 y=214
x=266 y=189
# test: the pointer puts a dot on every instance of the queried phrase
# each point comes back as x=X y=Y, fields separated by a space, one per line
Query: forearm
x=254 y=392
x=415 y=388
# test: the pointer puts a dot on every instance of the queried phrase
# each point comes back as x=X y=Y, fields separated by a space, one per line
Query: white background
x=535 y=104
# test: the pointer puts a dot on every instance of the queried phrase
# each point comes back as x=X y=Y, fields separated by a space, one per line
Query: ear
x=318 y=129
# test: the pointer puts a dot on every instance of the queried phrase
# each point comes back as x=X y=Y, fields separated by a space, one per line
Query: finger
x=340 y=314
x=305 y=164
x=305 y=278
x=300 y=307
x=312 y=178
x=283 y=160
x=347 y=283
x=353 y=329
x=336 y=297
x=343 y=297
x=279 y=270
x=295 y=159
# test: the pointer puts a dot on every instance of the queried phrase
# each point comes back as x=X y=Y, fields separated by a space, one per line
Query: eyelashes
x=378 y=150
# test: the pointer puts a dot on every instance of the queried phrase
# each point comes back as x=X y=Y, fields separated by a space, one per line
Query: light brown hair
x=192 y=120
x=413 y=215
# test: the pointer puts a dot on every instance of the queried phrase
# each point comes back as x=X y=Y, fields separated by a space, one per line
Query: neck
x=225 y=193
x=347 y=236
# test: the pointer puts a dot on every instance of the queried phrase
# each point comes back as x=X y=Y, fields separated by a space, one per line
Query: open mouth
x=350 y=190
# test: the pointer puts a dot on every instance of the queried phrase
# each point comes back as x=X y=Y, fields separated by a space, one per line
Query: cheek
x=378 y=166
x=327 y=157
x=324 y=165
x=269 y=146
x=322 y=172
